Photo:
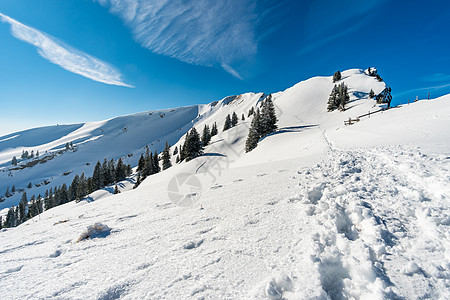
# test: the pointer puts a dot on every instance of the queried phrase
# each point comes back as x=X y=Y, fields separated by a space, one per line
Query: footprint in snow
x=238 y=180
x=218 y=186
x=261 y=175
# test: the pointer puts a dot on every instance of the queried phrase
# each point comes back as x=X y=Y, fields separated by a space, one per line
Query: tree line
x=106 y=173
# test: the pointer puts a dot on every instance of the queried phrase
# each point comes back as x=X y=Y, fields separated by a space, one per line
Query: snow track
x=378 y=215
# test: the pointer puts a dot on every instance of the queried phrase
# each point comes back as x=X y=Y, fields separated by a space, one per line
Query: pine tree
x=234 y=119
x=37 y=153
x=268 y=118
x=177 y=160
x=344 y=98
x=23 y=208
x=14 y=161
x=166 y=157
x=13 y=189
x=121 y=171
x=73 y=188
x=214 y=129
x=29 y=185
x=1 y=222
x=243 y=117
x=175 y=152
x=251 y=111
x=98 y=178
x=67 y=146
x=371 y=94
x=333 y=99
x=141 y=163
x=206 y=136
x=64 y=195
x=194 y=145
x=337 y=76
x=227 y=124
x=254 y=133
x=11 y=219
x=156 y=166
x=82 y=188
x=7 y=192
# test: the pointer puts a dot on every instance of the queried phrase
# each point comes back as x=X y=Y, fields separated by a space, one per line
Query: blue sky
x=86 y=60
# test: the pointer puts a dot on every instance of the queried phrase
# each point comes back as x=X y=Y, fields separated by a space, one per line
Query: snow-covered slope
x=318 y=210
x=118 y=137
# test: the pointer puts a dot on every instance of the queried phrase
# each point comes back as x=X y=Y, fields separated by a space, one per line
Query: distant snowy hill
x=319 y=210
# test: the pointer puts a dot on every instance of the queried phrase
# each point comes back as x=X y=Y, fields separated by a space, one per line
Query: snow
x=318 y=210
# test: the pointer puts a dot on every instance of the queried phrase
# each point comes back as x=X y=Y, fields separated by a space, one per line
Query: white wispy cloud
x=201 y=32
x=66 y=57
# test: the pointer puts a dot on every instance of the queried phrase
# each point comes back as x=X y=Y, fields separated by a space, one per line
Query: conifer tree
x=1 y=222
x=82 y=187
x=141 y=163
x=234 y=119
x=214 y=129
x=206 y=136
x=13 y=189
x=194 y=145
x=333 y=101
x=243 y=117
x=343 y=96
x=14 y=161
x=10 y=220
x=227 y=124
x=254 y=133
x=337 y=76
x=74 y=188
x=64 y=196
x=156 y=166
x=251 y=111
x=29 y=185
x=268 y=118
x=121 y=171
x=177 y=160
x=166 y=157
x=371 y=94
x=98 y=179
x=37 y=153
x=23 y=208
x=175 y=152
x=7 y=192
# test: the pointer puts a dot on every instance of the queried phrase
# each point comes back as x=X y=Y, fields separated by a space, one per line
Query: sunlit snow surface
x=318 y=210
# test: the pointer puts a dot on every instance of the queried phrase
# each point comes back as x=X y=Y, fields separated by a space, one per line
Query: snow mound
x=93 y=231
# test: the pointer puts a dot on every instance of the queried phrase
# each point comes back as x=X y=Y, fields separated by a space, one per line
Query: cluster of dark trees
x=263 y=123
x=104 y=174
x=374 y=73
x=25 y=155
x=230 y=121
x=338 y=98
x=148 y=165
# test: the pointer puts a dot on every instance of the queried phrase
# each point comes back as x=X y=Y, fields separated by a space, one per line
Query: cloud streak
x=66 y=57
x=201 y=32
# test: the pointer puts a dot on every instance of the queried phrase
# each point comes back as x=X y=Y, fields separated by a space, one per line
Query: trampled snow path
x=379 y=221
